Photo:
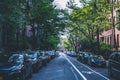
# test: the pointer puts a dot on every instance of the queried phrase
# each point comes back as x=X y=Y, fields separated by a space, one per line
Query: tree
x=40 y=15
x=90 y=20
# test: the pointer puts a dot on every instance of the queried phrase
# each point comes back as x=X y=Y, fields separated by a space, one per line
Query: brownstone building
x=108 y=35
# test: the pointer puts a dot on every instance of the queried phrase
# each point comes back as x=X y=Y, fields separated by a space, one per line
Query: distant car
x=17 y=67
x=51 y=54
x=85 y=56
x=36 y=60
x=73 y=54
x=44 y=57
x=80 y=56
x=68 y=52
x=114 y=65
x=97 y=60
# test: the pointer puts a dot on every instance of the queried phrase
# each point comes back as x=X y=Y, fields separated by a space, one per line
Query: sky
x=62 y=3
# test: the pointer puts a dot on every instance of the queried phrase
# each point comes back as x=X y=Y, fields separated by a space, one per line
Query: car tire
x=37 y=68
x=110 y=72
x=90 y=63
x=30 y=75
x=21 y=77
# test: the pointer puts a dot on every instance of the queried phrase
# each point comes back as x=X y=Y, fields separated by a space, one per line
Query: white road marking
x=84 y=78
x=95 y=71
x=74 y=74
x=87 y=72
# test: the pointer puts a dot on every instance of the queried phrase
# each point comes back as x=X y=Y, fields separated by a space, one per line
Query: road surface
x=68 y=68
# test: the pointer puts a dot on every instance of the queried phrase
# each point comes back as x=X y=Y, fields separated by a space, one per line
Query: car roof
x=116 y=53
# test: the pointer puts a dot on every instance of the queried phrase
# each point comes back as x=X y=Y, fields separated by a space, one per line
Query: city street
x=60 y=40
x=68 y=68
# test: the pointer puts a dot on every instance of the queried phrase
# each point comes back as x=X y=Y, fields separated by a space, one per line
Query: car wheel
x=22 y=77
x=30 y=75
x=110 y=71
x=37 y=68
x=90 y=63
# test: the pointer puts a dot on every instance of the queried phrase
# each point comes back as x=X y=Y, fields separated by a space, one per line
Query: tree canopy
x=42 y=17
x=87 y=22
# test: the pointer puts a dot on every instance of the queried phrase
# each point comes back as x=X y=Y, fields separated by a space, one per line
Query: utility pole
x=113 y=26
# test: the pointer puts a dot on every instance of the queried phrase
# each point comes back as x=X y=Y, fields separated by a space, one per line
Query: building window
x=118 y=40
x=102 y=39
x=108 y=40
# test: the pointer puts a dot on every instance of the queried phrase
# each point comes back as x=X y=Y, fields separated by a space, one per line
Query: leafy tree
x=90 y=20
x=40 y=15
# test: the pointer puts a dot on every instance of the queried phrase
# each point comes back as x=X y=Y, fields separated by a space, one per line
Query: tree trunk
x=98 y=41
x=34 y=39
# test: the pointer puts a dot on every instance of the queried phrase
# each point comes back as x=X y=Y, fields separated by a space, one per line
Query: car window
x=112 y=57
x=117 y=57
x=17 y=59
x=32 y=55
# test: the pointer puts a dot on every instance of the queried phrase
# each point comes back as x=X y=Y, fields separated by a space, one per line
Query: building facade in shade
x=107 y=36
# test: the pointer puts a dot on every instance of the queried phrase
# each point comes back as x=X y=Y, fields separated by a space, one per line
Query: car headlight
x=16 y=70
x=92 y=60
x=34 y=61
x=13 y=71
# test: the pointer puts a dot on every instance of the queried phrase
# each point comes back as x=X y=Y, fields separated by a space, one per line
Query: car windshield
x=98 y=57
x=16 y=59
x=42 y=53
x=32 y=55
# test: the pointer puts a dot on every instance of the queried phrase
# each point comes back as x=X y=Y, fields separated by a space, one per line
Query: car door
x=116 y=66
x=28 y=67
x=39 y=60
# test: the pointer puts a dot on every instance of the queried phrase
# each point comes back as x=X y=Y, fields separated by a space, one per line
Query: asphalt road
x=68 y=68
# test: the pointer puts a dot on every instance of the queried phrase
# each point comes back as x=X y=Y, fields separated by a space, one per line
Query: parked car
x=36 y=60
x=48 y=55
x=44 y=57
x=17 y=67
x=85 y=56
x=114 y=65
x=68 y=52
x=51 y=54
x=97 y=60
x=80 y=56
x=72 y=54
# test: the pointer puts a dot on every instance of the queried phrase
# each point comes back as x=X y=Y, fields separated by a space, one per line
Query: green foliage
x=88 y=21
x=67 y=44
x=105 y=47
x=41 y=15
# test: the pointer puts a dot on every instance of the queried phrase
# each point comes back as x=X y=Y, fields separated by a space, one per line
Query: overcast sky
x=62 y=3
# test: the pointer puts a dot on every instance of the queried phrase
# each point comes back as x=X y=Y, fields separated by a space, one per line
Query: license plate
x=1 y=78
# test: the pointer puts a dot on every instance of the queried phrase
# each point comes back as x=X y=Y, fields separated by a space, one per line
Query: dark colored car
x=85 y=56
x=73 y=54
x=51 y=54
x=97 y=60
x=17 y=67
x=114 y=65
x=80 y=56
x=44 y=56
x=36 y=60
